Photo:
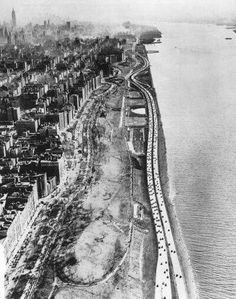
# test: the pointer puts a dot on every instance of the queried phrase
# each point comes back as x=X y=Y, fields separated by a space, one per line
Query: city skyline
x=106 y=11
x=117 y=137
x=13 y=16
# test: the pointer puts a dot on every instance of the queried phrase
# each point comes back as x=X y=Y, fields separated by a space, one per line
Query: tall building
x=68 y=25
x=13 y=18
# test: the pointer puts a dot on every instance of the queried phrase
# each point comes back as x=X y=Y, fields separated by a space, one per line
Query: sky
x=139 y=11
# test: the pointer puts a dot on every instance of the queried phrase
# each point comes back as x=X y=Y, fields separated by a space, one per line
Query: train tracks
x=169 y=281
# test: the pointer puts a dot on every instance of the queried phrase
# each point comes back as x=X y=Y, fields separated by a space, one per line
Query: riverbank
x=175 y=226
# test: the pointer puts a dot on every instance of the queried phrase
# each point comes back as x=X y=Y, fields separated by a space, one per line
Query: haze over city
x=117 y=143
x=149 y=11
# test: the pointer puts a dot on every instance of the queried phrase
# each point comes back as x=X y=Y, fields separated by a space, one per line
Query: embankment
x=175 y=225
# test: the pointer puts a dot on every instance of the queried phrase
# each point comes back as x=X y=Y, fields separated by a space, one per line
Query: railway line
x=169 y=281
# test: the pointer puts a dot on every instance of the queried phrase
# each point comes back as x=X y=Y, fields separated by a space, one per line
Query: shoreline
x=183 y=254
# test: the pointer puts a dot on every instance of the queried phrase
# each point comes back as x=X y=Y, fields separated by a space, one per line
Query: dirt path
x=106 y=252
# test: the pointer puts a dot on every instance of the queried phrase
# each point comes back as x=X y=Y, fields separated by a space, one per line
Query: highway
x=169 y=281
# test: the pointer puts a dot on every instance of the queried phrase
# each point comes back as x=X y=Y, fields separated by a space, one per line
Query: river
x=194 y=74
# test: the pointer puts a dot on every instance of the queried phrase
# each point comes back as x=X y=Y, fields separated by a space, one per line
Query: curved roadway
x=169 y=282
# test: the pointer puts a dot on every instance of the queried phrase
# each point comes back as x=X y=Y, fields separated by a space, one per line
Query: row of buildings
x=39 y=100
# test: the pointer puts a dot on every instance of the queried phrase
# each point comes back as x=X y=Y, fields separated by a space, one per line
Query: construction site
x=94 y=237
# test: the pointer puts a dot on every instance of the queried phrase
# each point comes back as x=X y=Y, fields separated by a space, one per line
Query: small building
x=138 y=211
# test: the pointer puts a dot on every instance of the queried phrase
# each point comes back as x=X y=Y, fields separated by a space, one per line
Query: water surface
x=194 y=74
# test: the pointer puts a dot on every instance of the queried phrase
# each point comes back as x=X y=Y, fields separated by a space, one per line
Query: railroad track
x=169 y=281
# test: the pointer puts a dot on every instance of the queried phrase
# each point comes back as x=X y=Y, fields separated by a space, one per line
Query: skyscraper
x=13 y=18
x=68 y=25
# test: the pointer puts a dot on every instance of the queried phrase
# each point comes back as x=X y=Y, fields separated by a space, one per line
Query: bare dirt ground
x=106 y=252
x=105 y=240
